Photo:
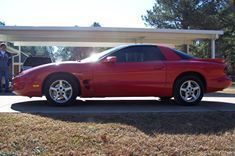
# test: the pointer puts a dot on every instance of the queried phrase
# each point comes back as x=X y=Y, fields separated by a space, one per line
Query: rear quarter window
x=182 y=55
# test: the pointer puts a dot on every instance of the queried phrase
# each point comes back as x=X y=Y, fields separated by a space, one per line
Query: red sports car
x=131 y=70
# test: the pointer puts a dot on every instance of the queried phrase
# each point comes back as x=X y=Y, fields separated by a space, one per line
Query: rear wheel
x=188 y=90
x=61 y=90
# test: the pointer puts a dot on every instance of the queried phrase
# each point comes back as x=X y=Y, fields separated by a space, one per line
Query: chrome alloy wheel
x=190 y=91
x=61 y=91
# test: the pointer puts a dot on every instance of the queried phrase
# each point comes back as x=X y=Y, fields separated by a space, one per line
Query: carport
x=102 y=36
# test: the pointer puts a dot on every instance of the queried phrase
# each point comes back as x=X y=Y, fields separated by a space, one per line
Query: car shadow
x=220 y=94
x=149 y=116
x=91 y=106
x=7 y=94
x=119 y=106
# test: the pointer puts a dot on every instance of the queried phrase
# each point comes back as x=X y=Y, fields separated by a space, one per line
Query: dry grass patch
x=118 y=134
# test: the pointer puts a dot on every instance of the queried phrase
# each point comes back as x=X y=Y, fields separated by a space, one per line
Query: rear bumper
x=218 y=84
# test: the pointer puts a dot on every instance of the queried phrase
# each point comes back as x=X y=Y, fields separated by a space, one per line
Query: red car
x=132 y=70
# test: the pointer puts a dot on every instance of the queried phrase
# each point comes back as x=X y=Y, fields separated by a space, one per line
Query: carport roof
x=100 y=36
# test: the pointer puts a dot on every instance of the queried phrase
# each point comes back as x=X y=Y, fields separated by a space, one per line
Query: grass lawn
x=118 y=134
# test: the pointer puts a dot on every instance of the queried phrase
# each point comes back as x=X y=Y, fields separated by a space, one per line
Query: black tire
x=181 y=97
x=67 y=81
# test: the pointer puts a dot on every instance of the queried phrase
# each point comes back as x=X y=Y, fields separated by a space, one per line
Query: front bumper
x=24 y=86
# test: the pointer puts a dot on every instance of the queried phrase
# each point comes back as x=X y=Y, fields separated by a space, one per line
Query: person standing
x=5 y=60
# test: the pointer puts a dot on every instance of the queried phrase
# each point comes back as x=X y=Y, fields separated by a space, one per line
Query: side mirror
x=110 y=59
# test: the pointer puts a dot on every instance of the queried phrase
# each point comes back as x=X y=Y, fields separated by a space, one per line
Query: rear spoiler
x=217 y=60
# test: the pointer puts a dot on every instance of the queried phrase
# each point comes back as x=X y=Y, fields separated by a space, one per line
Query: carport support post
x=187 y=48
x=213 y=48
x=19 y=58
x=12 y=66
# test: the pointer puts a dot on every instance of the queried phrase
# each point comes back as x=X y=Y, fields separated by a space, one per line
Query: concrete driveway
x=219 y=101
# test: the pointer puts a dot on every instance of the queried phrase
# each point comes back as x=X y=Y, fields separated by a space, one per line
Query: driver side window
x=138 y=54
x=129 y=54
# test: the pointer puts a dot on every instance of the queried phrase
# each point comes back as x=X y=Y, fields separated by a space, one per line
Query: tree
x=226 y=43
x=72 y=53
x=62 y=54
x=184 y=14
x=37 y=50
x=96 y=24
x=198 y=14
x=2 y=23
x=75 y=53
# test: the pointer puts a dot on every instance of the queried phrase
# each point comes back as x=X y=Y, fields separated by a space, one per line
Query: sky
x=109 y=13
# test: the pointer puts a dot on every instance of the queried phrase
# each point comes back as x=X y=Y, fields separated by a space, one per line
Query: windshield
x=98 y=56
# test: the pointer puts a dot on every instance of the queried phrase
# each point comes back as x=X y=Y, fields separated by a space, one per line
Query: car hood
x=54 y=66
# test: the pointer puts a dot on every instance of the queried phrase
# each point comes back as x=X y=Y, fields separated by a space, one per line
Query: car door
x=139 y=71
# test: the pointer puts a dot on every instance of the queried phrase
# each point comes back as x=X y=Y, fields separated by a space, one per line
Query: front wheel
x=188 y=90
x=61 y=90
